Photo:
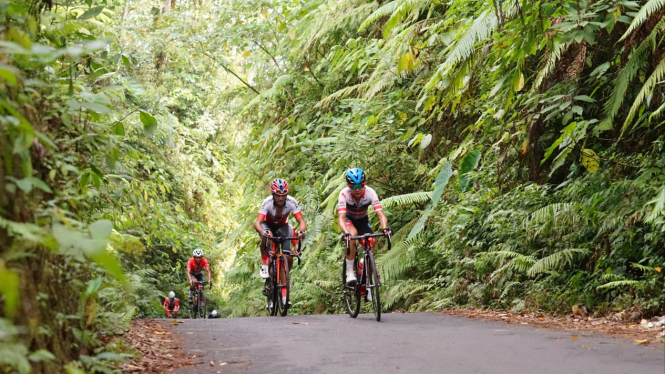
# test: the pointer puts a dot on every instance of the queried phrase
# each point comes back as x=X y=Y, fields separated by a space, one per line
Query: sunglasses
x=356 y=186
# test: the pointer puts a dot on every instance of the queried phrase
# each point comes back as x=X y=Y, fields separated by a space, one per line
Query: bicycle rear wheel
x=351 y=294
x=373 y=281
x=286 y=284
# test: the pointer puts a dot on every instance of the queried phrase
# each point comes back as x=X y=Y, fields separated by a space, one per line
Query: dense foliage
x=518 y=148
x=112 y=174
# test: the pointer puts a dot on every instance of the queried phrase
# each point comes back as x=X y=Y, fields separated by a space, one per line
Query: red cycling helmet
x=279 y=187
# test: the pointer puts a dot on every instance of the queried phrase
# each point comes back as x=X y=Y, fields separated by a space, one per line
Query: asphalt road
x=419 y=343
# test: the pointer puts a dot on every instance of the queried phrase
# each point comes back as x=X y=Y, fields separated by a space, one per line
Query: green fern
x=395 y=263
x=645 y=12
x=621 y=283
x=518 y=262
x=647 y=89
x=550 y=59
x=410 y=198
x=556 y=260
x=637 y=59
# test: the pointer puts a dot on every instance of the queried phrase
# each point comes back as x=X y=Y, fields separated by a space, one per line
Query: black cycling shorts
x=285 y=231
x=361 y=225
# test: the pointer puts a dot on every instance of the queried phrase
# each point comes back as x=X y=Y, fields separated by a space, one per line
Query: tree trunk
x=167 y=6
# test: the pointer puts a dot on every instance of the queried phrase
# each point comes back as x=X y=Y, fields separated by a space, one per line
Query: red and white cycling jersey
x=268 y=211
x=357 y=209
x=193 y=269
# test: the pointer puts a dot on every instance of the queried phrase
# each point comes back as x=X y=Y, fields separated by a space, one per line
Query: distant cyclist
x=352 y=214
x=272 y=220
x=171 y=306
x=195 y=267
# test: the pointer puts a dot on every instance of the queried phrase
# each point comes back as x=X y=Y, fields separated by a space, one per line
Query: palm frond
x=621 y=283
x=394 y=263
x=647 y=89
x=550 y=59
x=637 y=59
x=647 y=10
x=556 y=260
x=409 y=198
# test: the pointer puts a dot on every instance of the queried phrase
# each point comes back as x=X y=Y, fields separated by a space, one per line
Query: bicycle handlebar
x=366 y=236
x=280 y=238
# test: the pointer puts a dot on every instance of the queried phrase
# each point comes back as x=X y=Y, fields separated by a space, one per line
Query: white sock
x=349 y=265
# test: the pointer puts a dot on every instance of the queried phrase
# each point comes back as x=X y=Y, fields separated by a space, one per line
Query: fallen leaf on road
x=212 y=363
x=524 y=323
x=160 y=333
x=305 y=323
x=587 y=347
x=575 y=337
x=632 y=326
x=222 y=363
x=640 y=341
x=295 y=323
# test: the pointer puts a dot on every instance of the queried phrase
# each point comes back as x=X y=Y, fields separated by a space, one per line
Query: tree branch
x=234 y=74
x=271 y=56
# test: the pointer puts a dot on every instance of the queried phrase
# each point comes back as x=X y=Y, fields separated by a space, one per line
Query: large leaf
x=149 y=122
x=468 y=163
x=420 y=224
x=9 y=289
x=441 y=181
x=91 y=13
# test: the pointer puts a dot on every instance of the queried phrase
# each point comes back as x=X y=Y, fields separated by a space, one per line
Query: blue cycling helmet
x=355 y=176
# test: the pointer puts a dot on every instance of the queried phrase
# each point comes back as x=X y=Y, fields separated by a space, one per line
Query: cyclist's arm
x=258 y=222
x=382 y=218
x=301 y=222
x=187 y=276
x=341 y=221
x=208 y=271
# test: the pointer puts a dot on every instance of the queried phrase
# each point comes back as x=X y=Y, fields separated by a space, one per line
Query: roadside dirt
x=161 y=351
x=587 y=324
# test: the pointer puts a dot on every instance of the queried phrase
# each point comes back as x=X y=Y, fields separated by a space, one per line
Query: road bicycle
x=279 y=277
x=369 y=280
x=198 y=305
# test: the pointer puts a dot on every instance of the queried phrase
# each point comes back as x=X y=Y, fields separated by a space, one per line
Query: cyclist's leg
x=265 y=253
x=199 y=277
x=350 y=274
x=354 y=232
x=191 y=288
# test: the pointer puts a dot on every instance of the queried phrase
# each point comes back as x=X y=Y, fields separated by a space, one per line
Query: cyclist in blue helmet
x=352 y=218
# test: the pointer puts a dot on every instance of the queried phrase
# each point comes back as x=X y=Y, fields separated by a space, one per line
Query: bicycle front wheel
x=283 y=302
x=194 y=309
x=351 y=294
x=373 y=282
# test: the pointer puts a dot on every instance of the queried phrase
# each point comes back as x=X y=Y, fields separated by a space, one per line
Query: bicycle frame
x=369 y=269
x=198 y=296
x=276 y=279
x=277 y=254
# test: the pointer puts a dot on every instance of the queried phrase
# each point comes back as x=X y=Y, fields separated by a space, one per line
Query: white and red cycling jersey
x=268 y=211
x=357 y=209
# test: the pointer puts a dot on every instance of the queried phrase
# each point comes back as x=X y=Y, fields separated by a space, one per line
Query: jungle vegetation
x=518 y=148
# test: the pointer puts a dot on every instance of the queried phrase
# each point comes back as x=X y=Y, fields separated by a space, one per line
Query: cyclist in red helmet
x=272 y=220
x=352 y=219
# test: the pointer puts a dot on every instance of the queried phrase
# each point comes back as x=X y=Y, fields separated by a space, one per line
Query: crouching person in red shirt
x=171 y=306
